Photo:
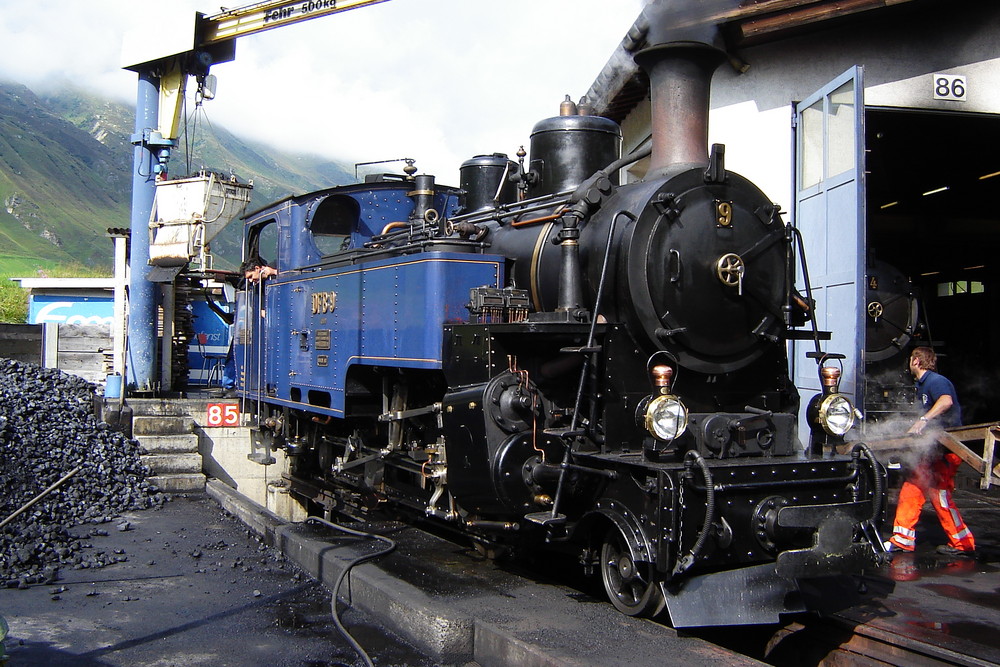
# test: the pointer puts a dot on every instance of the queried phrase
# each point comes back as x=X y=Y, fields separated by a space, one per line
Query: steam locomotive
x=547 y=358
x=895 y=323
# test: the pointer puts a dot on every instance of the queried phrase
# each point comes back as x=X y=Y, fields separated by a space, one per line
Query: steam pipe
x=393 y=225
x=545 y=218
x=626 y=160
x=570 y=289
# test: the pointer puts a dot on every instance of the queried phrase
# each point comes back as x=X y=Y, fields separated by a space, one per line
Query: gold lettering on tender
x=323 y=302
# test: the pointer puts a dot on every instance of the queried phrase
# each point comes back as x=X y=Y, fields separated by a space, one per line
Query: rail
x=841 y=641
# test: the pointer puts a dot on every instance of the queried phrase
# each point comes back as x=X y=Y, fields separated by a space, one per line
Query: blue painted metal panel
x=209 y=346
x=829 y=211
x=388 y=313
x=379 y=204
x=291 y=227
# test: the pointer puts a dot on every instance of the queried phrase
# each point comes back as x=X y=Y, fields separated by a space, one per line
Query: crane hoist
x=164 y=53
x=210 y=41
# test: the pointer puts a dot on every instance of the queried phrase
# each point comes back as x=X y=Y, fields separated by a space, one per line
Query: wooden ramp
x=953 y=439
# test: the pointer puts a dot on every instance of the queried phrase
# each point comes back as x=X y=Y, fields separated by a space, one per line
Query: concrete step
x=169 y=444
x=161 y=425
x=161 y=407
x=172 y=463
x=178 y=407
x=166 y=430
x=179 y=482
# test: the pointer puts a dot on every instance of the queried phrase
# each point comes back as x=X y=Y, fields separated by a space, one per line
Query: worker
x=934 y=475
x=229 y=367
x=254 y=270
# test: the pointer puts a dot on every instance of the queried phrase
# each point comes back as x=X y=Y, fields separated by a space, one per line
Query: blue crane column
x=149 y=156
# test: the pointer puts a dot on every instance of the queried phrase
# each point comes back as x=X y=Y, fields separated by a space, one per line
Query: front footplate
x=834 y=550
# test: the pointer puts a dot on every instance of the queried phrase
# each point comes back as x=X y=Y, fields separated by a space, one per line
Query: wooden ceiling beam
x=759 y=20
x=791 y=17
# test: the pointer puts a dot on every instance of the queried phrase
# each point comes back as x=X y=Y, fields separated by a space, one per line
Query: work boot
x=948 y=550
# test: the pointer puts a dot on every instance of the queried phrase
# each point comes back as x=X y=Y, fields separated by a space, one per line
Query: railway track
x=837 y=642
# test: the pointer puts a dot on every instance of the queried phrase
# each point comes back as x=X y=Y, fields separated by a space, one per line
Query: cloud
x=436 y=80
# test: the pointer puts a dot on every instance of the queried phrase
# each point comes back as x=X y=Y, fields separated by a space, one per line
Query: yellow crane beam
x=217 y=34
x=261 y=16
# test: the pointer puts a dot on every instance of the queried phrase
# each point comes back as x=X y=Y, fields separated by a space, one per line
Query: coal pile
x=47 y=428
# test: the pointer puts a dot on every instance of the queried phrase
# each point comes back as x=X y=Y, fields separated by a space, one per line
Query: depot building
x=875 y=124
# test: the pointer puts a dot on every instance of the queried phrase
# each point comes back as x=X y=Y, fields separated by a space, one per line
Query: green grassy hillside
x=59 y=186
x=66 y=176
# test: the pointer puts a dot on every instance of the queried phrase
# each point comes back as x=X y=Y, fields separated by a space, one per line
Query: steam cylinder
x=567 y=150
x=483 y=178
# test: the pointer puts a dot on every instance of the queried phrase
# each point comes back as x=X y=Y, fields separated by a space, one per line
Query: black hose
x=687 y=561
x=634 y=156
x=878 y=506
x=390 y=547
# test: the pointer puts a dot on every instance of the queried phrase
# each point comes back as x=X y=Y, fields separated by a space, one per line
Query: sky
x=436 y=80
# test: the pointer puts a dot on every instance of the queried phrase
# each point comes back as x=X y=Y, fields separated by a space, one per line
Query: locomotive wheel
x=630 y=586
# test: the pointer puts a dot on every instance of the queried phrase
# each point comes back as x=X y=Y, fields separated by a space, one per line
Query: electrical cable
x=390 y=547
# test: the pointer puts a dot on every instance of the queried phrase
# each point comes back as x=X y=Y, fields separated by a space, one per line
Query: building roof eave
x=62 y=283
x=621 y=85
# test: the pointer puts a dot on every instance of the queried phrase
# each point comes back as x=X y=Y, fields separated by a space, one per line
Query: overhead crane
x=164 y=59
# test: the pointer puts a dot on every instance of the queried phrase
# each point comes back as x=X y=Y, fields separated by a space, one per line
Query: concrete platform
x=458 y=607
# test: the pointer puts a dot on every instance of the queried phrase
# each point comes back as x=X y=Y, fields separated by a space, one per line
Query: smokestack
x=683 y=53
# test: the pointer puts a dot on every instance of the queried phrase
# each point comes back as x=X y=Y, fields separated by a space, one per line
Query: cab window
x=332 y=223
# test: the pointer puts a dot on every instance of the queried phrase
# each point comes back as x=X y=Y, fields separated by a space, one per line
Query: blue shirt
x=933 y=386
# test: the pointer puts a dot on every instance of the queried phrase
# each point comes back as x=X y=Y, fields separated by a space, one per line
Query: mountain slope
x=65 y=176
x=60 y=187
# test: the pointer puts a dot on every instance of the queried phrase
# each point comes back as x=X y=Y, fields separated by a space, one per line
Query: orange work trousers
x=935 y=481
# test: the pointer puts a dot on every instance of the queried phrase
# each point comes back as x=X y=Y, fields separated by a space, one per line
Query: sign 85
x=223 y=414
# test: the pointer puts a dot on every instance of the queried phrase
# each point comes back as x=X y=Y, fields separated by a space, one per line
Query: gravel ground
x=192 y=586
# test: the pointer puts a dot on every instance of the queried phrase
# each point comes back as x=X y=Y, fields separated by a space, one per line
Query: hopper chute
x=189 y=212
